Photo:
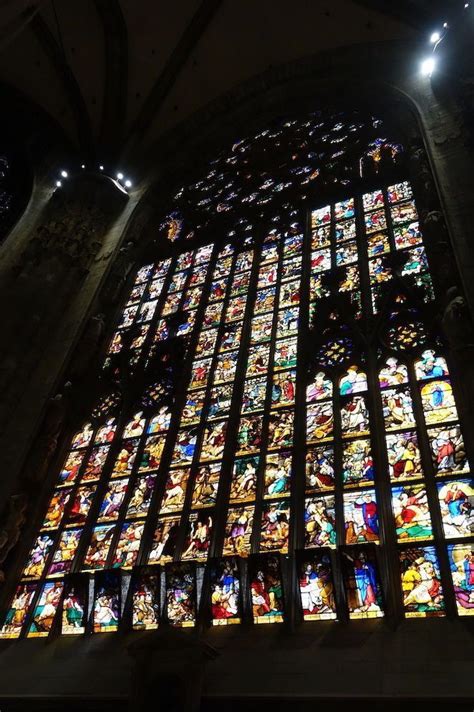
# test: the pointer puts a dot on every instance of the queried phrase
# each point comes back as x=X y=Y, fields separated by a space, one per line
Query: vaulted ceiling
x=113 y=73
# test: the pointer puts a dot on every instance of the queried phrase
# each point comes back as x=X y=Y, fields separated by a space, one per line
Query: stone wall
x=430 y=659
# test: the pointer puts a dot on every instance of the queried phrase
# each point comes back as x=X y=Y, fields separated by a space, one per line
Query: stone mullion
x=186 y=510
x=298 y=472
x=260 y=475
x=181 y=391
x=228 y=457
x=432 y=495
x=337 y=441
x=389 y=561
x=298 y=481
x=388 y=540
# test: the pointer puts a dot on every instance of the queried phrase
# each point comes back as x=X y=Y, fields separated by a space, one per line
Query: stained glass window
x=288 y=401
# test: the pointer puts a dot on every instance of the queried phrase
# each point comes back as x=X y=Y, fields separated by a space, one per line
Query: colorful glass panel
x=316 y=585
x=145 y=599
x=266 y=588
x=461 y=561
x=226 y=592
x=362 y=582
x=106 y=611
x=456 y=500
x=180 y=596
x=421 y=582
x=361 y=517
x=75 y=604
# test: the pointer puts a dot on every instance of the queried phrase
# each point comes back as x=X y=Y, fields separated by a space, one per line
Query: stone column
x=56 y=267
x=168 y=671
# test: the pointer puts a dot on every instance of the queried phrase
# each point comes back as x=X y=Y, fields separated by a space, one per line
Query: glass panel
x=456 y=500
x=461 y=560
x=238 y=530
x=145 y=599
x=198 y=536
x=319 y=521
x=266 y=588
x=164 y=540
x=181 y=594
x=75 y=605
x=411 y=512
x=18 y=611
x=316 y=584
x=45 y=610
x=362 y=582
x=404 y=459
x=361 y=517
x=421 y=582
x=107 y=601
x=275 y=526
x=226 y=596
x=447 y=446
x=319 y=469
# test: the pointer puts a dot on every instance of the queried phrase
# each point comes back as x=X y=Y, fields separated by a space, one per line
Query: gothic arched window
x=276 y=410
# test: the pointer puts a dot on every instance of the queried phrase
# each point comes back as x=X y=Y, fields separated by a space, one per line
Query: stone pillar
x=65 y=242
x=168 y=671
x=48 y=291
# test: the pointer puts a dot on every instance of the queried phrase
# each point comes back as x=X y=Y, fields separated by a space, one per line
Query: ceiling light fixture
x=428 y=66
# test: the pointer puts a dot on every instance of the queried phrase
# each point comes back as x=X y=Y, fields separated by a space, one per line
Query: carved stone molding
x=48 y=273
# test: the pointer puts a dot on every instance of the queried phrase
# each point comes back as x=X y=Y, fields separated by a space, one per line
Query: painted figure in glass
x=316 y=584
x=238 y=530
x=225 y=591
x=461 y=561
x=456 y=499
x=320 y=521
x=362 y=582
x=266 y=589
x=421 y=582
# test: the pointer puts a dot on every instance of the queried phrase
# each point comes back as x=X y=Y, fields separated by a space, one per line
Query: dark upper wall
x=130 y=71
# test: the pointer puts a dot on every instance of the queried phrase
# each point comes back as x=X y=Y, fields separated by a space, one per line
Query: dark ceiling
x=118 y=73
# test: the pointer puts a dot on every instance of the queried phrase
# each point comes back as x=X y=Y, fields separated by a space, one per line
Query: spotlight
x=445 y=24
x=83 y=165
x=58 y=184
x=128 y=183
x=466 y=5
x=101 y=168
x=64 y=174
x=120 y=176
x=435 y=37
x=428 y=67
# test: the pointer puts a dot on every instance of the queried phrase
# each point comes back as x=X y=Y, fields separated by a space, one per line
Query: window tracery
x=293 y=401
